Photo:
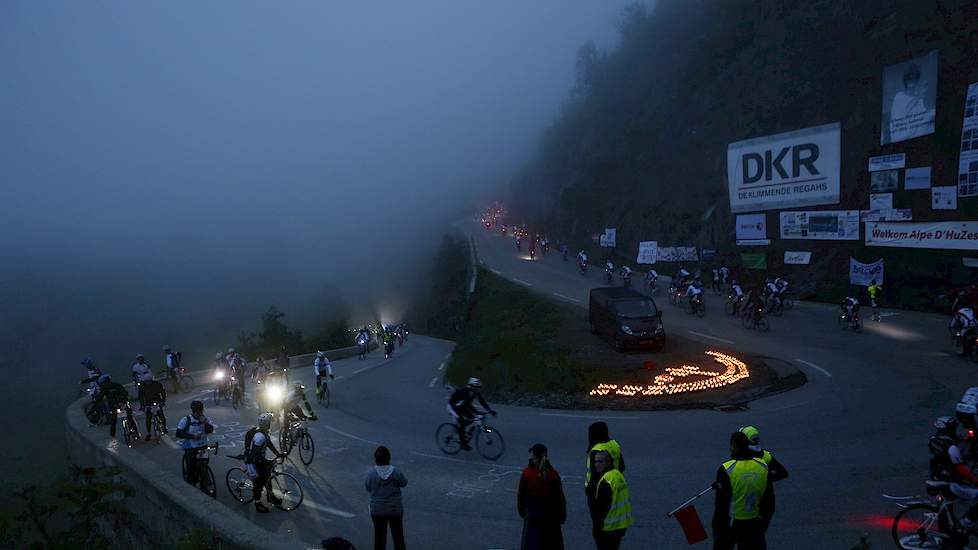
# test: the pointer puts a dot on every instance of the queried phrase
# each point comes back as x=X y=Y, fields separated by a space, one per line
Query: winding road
x=857 y=428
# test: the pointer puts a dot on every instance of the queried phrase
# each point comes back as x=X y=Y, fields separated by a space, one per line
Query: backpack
x=249 y=435
x=940 y=462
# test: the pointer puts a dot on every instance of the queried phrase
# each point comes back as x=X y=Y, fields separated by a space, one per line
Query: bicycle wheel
x=217 y=396
x=788 y=303
x=240 y=486
x=916 y=527
x=157 y=430
x=207 y=484
x=763 y=325
x=747 y=321
x=324 y=396
x=127 y=432
x=490 y=443
x=235 y=398
x=701 y=310
x=447 y=438
x=284 y=441
x=187 y=382
x=729 y=308
x=287 y=488
x=307 y=448
x=93 y=413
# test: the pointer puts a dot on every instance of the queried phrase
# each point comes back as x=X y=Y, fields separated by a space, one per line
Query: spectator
x=541 y=503
x=384 y=484
x=716 y=280
x=598 y=440
x=609 y=503
x=743 y=506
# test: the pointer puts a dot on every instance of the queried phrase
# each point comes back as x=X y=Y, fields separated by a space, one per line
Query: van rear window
x=634 y=309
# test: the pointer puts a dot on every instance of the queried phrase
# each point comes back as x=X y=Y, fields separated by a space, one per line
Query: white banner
x=944 y=198
x=864 y=274
x=968 y=161
x=947 y=235
x=916 y=178
x=752 y=227
x=838 y=225
x=686 y=254
x=667 y=254
x=880 y=201
x=647 y=252
x=909 y=99
x=890 y=215
x=797 y=257
x=608 y=239
x=887 y=162
x=788 y=170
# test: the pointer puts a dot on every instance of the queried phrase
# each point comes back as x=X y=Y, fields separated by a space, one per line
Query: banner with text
x=608 y=239
x=686 y=254
x=647 y=252
x=831 y=225
x=864 y=274
x=968 y=162
x=909 y=99
x=667 y=254
x=889 y=215
x=752 y=227
x=946 y=235
x=788 y=170
x=797 y=257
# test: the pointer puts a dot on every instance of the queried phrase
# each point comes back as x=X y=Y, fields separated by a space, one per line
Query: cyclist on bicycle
x=850 y=306
x=737 y=295
x=962 y=456
x=694 y=290
x=141 y=372
x=772 y=293
x=93 y=374
x=651 y=277
x=463 y=412
x=322 y=368
x=257 y=446
x=110 y=396
x=172 y=361
x=294 y=401
x=155 y=395
x=192 y=432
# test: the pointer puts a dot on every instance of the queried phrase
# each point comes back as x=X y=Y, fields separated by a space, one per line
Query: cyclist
x=681 y=279
x=110 y=396
x=172 y=361
x=155 y=395
x=257 y=446
x=651 y=278
x=141 y=372
x=363 y=340
x=93 y=374
x=737 y=295
x=962 y=455
x=460 y=407
x=874 y=294
x=772 y=293
x=239 y=366
x=260 y=370
x=850 y=306
x=322 y=368
x=192 y=431
x=294 y=401
x=626 y=275
x=694 y=290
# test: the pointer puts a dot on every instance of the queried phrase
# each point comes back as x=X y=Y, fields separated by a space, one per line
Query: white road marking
x=568 y=298
x=327 y=509
x=441 y=366
x=594 y=417
x=816 y=367
x=496 y=271
x=937 y=353
x=521 y=281
x=470 y=462
x=724 y=340
x=351 y=436
x=433 y=382
x=887 y=314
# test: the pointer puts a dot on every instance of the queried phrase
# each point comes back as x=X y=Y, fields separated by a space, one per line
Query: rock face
x=641 y=142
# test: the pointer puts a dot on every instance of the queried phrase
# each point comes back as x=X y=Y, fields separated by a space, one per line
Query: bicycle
x=296 y=434
x=157 y=423
x=488 y=440
x=846 y=322
x=773 y=306
x=205 y=476
x=179 y=380
x=222 y=388
x=696 y=306
x=322 y=392
x=922 y=524
x=236 y=393
x=757 y=320
x=129 y=427
x=283 y=485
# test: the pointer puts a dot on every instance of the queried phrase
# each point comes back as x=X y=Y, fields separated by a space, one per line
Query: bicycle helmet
x=104 y=379
x=474 y=382
x=140 y=356
x=265 y=420
x=946 y=424
x=87 y=362
x=166 y=349
x=230 y=350
x=320 y=354
x=196 y=406
x=218 y=356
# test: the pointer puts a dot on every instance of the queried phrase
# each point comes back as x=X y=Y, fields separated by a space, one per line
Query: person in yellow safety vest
x=598 y=440
x=775 y=470
x=743 y=499
x=609 y=503
x=874 y=296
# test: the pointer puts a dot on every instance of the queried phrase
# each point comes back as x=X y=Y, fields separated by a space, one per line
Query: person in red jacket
x=540 y=502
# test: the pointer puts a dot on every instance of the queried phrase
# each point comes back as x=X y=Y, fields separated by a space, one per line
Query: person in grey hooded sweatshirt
x=384 y=484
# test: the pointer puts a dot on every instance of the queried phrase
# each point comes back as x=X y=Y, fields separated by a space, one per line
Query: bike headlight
x=626 y=329
x=274 y=394
x=219 y=375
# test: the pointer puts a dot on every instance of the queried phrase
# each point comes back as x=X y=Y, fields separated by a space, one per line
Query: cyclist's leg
x=113 y=417
x=162 y=415
x=148 y=412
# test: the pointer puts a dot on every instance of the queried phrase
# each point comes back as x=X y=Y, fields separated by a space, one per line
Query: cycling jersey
x=259 y=448
x=462 y=398
x=188 y=427
x=153 y=392
x=322 y=367
x=142 y=372
x=737 y=290
x=771 y=288
x=965 y=317
x=693 y=291
x=651 y=275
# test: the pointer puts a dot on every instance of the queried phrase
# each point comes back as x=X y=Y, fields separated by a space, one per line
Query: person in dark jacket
x=540 y=502
x=384 y=484
x=744 y=499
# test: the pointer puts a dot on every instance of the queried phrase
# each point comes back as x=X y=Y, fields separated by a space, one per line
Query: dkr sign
x=788 y=170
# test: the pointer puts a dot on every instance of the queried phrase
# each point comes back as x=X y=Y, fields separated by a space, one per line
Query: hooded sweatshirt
x=384 y=485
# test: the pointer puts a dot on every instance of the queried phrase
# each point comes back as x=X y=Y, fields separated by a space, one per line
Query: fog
x=169 y=170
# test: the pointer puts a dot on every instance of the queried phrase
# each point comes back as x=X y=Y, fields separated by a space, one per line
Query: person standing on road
x=598 y=440
x=716 y=280
x=155 y=395
x=384 y=483
x=141 y=372
x=776 y=471
x=541 y=503
x=724 y=275
x=874 y=291
x=192 y=432
x=609 y=503
x=111 y=396
x=742 y=509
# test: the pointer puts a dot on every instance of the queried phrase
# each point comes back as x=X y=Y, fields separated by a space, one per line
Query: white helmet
x=320 y=354
x=474 y=382
x=265 y=420
x=230 y=350
x=218 y=356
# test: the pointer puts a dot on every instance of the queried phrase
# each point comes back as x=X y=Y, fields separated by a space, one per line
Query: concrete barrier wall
x=163 y=501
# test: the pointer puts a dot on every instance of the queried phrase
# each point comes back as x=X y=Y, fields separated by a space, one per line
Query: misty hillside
x=642 y=139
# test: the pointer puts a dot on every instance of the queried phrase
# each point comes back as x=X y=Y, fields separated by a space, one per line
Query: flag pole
x=685 y=504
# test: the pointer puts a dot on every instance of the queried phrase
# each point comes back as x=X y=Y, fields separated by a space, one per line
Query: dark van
x=626 y=317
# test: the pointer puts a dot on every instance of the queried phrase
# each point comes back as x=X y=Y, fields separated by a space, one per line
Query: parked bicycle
x=205 y=476
x=488 y=440
x=296 y=434
x=929 y=524
x=282 y=485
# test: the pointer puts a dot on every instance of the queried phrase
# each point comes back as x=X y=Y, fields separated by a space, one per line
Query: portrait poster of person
x=909 y=99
